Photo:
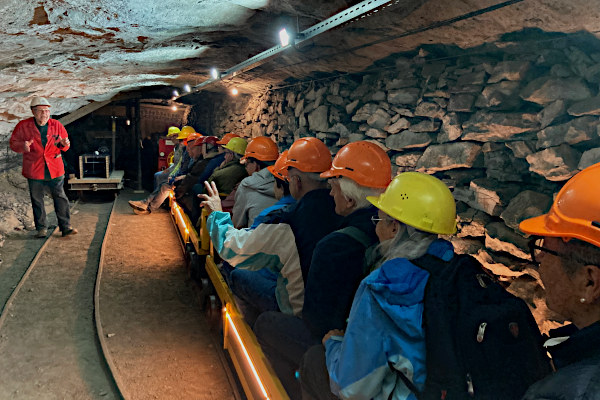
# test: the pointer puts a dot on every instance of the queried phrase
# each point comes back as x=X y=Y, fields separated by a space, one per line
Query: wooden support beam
x=83 y=111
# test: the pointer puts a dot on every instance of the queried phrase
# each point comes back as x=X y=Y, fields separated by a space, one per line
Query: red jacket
x=33 y=161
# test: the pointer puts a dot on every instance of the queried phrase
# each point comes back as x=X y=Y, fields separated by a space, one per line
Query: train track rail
x=50 y=339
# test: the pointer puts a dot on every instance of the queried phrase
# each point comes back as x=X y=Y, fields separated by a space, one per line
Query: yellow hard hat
x=173 y=131
x=419 y=200
x=185 y=132
x=237 y=145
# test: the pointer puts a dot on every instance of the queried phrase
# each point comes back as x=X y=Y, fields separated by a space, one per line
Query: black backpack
x=481 y=341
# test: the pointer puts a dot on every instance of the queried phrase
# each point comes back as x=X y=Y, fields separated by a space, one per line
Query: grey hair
x=356 y=192
x=409 y=243
x=578 y=254
x=310 y=176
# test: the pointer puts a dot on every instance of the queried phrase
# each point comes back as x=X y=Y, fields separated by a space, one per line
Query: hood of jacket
x=399 y=284
x=261 y=182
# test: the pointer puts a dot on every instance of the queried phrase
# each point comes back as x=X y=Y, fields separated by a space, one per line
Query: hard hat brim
x=537 y=226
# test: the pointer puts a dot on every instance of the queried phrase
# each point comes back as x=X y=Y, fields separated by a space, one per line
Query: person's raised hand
x=27 y=145
x=212 y=201
x=64 y=141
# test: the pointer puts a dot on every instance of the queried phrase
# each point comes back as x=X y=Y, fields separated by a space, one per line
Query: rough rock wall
x=503 y=126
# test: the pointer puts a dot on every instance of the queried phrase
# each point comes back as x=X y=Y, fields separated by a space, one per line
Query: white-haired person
x=566 y=246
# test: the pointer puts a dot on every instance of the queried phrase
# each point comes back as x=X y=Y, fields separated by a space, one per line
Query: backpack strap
x=407 y=382
x=356 y=234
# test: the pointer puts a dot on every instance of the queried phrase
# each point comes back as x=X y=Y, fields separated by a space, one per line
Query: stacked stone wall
x=504 y=125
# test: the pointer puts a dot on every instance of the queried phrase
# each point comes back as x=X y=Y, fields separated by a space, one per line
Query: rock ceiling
x=77 y=51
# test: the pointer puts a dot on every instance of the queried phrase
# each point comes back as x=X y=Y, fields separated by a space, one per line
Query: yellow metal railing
x=253 y=369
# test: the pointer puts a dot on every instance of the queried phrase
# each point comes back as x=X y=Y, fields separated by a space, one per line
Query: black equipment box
x=91 y=165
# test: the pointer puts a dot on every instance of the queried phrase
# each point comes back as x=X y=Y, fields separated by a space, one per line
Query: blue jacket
x=280 y=245
x=385 y=325
x=210 y=168
x=578 y=362
x=336 y=269
x=281 y=203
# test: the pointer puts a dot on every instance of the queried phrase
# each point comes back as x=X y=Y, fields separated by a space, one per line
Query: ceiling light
x=187 y=88
x=234 y=91
x=174 y=108
x=175 y=93
x=284 y=37
x=215 y=73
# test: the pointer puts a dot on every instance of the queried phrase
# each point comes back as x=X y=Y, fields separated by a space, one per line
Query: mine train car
x=255 y=374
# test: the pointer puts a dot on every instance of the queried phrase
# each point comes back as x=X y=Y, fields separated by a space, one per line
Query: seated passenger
x=231 y=171
x=160 y=194
x=359 y=169
x=566 y=247
x=255 y=193
x=285 y=245
x=162 y=176
x=385 y=321
x=207 y=161
x=281 y=189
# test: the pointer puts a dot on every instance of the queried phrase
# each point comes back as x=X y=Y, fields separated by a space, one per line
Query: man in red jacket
x=41 y=140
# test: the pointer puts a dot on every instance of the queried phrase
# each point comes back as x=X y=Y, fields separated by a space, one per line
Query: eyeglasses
x=536 y=248
x=375 y=219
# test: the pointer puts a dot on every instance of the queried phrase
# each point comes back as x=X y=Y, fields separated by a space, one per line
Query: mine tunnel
x=130 y=296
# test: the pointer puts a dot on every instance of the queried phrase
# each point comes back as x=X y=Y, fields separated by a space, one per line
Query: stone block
x=405 y=112
x=547 y=89
x=471 y=222
x=376 y=133
x=290 y=97
x=399 y=83
x=491 y=196
x=399 y=125
x=502 y=166
x=408 y=96
x=337 y=100
x=500 y=238
x=426 y=126
x=561 y=71
x=340 y=129
x=466 y=246
x=299 y=109
x=551 y=112
x=521 y=148
x=317 y=120
x=589 y=157
x=575 y=131
x=461 y=102
x=365 y=112
x=589 y=106
x=526 y=204
x=447 y=156
x=351 y=107
x=451 y=128
x=473 y=78
x=431 y=110
x=500 y=96
x=432 y=70
x=407 y=160
x=509 y=71
x=555 y=163
x=407 y=140
x=378 y=96
x=494 y=126
x=379 y=119
x=355 y=137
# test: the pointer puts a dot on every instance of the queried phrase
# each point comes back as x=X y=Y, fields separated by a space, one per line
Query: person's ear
x=591 y=283
x=395 y=226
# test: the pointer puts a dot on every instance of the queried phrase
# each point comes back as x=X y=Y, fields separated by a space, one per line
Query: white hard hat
x=39 y=101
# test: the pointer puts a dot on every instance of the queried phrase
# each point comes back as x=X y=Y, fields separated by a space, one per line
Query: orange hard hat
x=191 y=137
x=364 y=162
x=575 y=212
x=227 y=138
x=309 y=154
x=278 y=169
x=262 y=148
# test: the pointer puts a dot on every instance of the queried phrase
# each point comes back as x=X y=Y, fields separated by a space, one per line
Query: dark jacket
x=311 y=218
x=578 y=363
x=336 y=269
x=201 y=167
x=227 y=176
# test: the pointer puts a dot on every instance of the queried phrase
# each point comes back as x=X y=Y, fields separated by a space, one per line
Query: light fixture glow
x=175 y=93
x=214 y=73
x=239 y=340
x=174 y=108
x=128 y=122
x=234 y=91
x=187 y=88
x=284 y=37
